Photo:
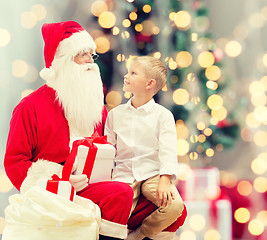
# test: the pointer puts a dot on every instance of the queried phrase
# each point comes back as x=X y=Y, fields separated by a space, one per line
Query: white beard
x=80 y=92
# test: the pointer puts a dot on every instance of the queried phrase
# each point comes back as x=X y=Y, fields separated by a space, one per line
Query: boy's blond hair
x=154 y=68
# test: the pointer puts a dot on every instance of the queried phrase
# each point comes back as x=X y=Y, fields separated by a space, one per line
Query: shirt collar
x=147 y=107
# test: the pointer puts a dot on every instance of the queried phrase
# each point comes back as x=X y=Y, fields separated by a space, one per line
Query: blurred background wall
x=216 y=53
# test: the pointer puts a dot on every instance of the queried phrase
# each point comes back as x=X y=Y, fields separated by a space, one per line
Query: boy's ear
x=151 y=84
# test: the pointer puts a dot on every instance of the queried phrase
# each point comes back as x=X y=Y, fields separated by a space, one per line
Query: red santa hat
x=63 y=39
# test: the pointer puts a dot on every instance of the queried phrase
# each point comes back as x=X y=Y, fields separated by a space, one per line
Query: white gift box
x=200 y=184
x=104 y=161
x=204 y=216
x=59 y=187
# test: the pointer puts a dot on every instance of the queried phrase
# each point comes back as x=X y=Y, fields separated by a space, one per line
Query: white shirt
x=146 y=141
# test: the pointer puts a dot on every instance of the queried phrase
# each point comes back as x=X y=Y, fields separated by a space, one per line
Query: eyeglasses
x=94 y=56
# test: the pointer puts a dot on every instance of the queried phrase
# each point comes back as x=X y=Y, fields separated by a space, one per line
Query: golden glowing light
x=260 y=138
x=201 y=126
x=172 y=65
x=113 y=98
x=184 y=59
x=193 y=155
x=262 y=216
x=256 y=88
x=207 y=131
x=201 y=138
x=213 y=73
x=210 y=152
x=233 y=48
x=126 y=23
x=133 y=16
x=107 y=19
x=148 y=27
x=244 y=188
x=242 y=215
x=180 y=96
x=259 y=100
x=260 y=184
x=212 y=85
x=191 y=77
x=99 y=7
x=182 y=147
x=4 y=37
x=127 y=95
x=212 y=234
x=157 y=55
x=39 y=11
x=138 y=27
x=263 y=80
x=259 y=165
x=172 y=16
x=195 y=100
x=194 y=37
x=193 y=138
x=102 y=44
x=19 y=68
x=215 y=101
x=197 y=222
x=185 y=235
x=182 y=20
x=120 y=57
x=206 y=59
x=260 y=113
x=115 y=31
x=228 y=179
x=164 y=89
x=219 y=113
x=125 y=34
x=28 y=20
x=26 y=92
x=155 y=30
x=255 y=227
x=181 y=129
x=147 y=8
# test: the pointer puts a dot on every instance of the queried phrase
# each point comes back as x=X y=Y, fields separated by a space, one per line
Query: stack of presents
x=209 y=212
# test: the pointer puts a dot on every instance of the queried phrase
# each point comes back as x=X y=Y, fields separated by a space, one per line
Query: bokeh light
x=197 y=222
x=98 y=7
x=242 y=215
x=260 y=184
x=107 y=19
x=39 y=11
x=206 y=59
x=26 y=92
x=233 y=48
x=180 y=96
x=19 y=68
x=212 y=234
x=102 y=44
x=4 y=37
x=213 y=73
x=182 y=147
x=262 y=216
x=28 y=20
x=182 y=20
x=113 y=99
x=184 y=59
x=255 y=227
x=259 y=165
x=5 y=184
x=185 y=235
x=215 y=101
x=244 y=188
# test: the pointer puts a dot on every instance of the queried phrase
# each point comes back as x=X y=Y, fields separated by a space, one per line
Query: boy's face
x=135 y=81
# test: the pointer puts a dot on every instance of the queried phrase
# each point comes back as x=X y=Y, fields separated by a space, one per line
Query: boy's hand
x=164 y=193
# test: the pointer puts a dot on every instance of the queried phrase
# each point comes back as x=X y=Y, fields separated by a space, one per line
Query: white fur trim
x=75 y=43
x=163 y=236
x=48 y=74
x=112 y=229
x=42 y=169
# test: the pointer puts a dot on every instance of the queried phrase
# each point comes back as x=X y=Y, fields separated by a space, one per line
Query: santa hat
x=63 y=39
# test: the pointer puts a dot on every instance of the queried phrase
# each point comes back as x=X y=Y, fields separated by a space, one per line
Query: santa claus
x=70 y=104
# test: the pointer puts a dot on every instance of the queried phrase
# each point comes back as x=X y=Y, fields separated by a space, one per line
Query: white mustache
x=91 y=66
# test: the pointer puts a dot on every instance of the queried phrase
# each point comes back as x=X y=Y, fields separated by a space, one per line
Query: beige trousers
x=162 y=217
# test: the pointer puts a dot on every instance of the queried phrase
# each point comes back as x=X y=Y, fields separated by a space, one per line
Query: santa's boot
x=101 y=237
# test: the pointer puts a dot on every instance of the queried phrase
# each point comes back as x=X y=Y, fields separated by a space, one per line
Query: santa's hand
x=79 y=182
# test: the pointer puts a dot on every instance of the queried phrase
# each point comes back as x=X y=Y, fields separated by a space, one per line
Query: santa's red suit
x=39 y=130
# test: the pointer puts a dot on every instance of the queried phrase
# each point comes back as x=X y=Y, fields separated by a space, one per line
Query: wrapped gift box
x=200 y=184
x=59 y=187
x=206 y=215
x=103 y=161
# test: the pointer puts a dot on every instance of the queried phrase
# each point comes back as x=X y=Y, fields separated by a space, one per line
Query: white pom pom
x=48 y=74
